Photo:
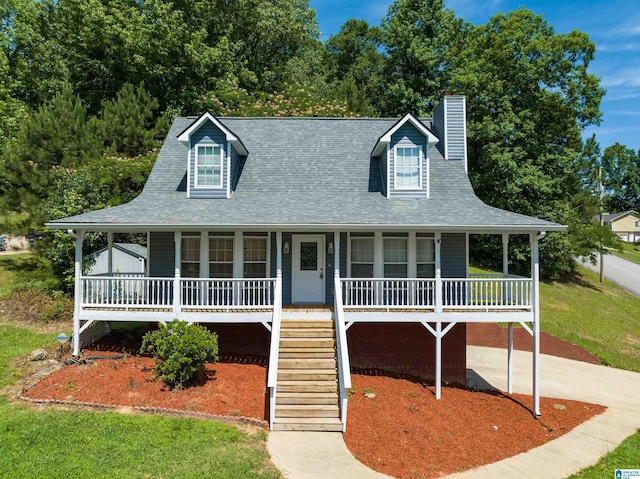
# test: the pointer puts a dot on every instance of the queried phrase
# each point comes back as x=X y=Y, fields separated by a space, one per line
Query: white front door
x=308 y=269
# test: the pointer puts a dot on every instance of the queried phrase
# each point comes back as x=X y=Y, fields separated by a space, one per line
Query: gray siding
x=452 y=131
x=287 y=268
x=236 y=168
x=455 y=134
x=438 y=126
x=207 y=133
x=408 y=135
x=382 y=162
x=453 y=255
x=161 y=254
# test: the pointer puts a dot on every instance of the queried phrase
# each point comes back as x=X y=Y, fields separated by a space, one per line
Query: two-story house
x=345 y=241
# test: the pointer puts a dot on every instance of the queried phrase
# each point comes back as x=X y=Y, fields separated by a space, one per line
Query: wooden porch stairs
x=307 y=382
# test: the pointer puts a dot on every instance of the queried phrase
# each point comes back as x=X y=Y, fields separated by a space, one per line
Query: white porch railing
x=486 y=293
x=491 y=293
x=388 y=293
x=227 y=293
x=143 y=292
x=106 y=291
x=342 y=351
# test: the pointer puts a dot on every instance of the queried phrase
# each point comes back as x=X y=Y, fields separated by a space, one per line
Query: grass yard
x=52 y=443
x=55 y=444
x=603 y=319
x=630 y=251
x=625 y=456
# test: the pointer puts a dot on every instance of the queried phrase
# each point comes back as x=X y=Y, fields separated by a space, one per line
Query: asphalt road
x=621 y=271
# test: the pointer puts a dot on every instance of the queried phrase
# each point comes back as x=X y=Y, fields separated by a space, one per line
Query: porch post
x=79 y=235
x=505 y=272
x=177 y=238
x=238 y=264
x=278 y=253
x=535 y=299
x=438 y=359
x=336 y=254
x=109 y=253
x=438 y=298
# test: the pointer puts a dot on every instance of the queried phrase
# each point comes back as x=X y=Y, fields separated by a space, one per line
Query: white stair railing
x=274 y=350
x=342 y=350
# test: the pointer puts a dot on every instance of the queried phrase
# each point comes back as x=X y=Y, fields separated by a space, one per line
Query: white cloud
x=619 y=47
x=625 y=77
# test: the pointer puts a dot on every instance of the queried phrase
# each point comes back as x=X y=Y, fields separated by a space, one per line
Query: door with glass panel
x=308 y=269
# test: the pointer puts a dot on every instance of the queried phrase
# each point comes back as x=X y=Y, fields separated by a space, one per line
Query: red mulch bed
x=495 y=336
x=227 y=390
x=403 y=431
x=406 y=433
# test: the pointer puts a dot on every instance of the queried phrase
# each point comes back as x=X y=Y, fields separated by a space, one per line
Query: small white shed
x=127 y=258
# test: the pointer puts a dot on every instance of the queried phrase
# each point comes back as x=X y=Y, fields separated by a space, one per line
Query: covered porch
x=332 y=262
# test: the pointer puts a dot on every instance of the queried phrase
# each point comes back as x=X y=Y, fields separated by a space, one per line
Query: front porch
x=428 y=284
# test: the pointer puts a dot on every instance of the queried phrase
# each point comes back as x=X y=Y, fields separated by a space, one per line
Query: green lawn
x=625 y=456
x=14 y=342
x=56 y=444
x=603 y=319
x=23 y=271
x=630 y=251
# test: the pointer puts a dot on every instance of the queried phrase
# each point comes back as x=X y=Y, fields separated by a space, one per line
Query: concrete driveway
x=623 y=272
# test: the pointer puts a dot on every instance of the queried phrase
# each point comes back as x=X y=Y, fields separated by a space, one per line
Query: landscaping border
x=232 y=420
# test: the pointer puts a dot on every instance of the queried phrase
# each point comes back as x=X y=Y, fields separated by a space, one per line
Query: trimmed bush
x=182 y=350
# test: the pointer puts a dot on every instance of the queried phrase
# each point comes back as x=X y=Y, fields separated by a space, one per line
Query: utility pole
x=601 y=222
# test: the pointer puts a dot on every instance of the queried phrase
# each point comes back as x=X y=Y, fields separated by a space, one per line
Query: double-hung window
x=190 y=257
x=255 y=257
x=395 y=257
x=425 y=257
x=408 y=168
x=221 y=257
x=362 y=257
x=208 y=166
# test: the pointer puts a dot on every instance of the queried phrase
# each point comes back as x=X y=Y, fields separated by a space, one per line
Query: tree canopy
x=88 y=87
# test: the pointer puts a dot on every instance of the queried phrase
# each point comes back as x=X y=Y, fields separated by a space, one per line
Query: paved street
x=620 y=271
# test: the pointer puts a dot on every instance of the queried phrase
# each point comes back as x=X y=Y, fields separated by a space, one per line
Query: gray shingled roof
x=614 y=216
x=311 y=173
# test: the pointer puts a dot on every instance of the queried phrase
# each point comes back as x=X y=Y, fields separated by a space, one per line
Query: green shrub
x=182 y=350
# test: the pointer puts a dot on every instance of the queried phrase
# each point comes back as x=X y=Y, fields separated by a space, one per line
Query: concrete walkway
x=309 y=455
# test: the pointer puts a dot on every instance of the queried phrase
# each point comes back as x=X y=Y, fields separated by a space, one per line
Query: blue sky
x=613 y=25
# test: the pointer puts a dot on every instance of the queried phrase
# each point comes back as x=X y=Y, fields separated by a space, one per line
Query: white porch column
x=378 y=255
x=438 y=359
x=438 y=286
x=278 y=253
x=336 y=253
x=505 y=272
x=79 y=236
x=204 y=254
x=238 y=254
x=177 y=238
x=412 y=267
x=109 y=253
x=535 y=300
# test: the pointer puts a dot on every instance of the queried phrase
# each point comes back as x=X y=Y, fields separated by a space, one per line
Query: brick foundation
x=407 y=348
x=249 y=339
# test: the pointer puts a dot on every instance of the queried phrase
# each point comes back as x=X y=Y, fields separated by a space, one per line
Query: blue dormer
x=213 y=159
x=403 y=154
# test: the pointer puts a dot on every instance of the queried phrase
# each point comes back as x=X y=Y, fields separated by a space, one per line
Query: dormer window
x=408 y=168
x=208 y=166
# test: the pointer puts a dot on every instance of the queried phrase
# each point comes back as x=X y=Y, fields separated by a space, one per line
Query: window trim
x=420 y=169
x=350 y=254
x=406 y=262
x=221 y=166
x=228 y=238
x=267 y=240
